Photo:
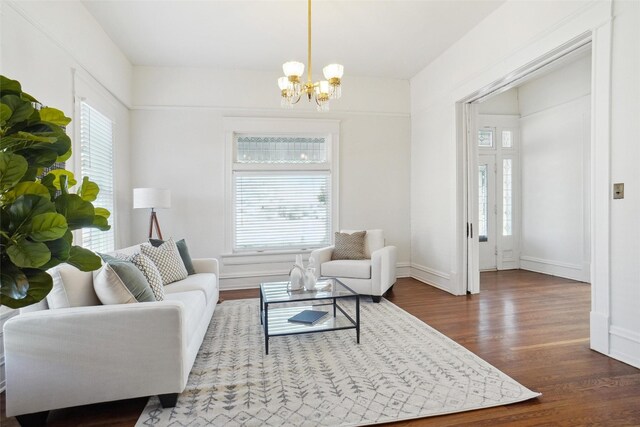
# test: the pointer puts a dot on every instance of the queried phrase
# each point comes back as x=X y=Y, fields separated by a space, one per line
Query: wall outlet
x=618 y=191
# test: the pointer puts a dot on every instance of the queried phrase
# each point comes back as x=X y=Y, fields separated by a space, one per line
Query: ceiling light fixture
x=291 y=88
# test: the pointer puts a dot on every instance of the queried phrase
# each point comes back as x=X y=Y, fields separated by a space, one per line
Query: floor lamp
x=152 y=198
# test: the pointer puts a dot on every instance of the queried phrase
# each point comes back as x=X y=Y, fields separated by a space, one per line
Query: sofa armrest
x=321 y=256
x=206 y=265
x=383 y=269
x=74 y=356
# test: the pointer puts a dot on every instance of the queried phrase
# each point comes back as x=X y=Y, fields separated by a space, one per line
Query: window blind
x=282 y=210
x=96 y=162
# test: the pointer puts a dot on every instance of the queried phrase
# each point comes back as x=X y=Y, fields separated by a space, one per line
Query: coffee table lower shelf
x=275 y=321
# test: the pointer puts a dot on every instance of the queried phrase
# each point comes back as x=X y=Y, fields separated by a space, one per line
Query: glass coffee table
x=278 y=305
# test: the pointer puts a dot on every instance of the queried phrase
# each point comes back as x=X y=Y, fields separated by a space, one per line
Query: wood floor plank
x=531 y=326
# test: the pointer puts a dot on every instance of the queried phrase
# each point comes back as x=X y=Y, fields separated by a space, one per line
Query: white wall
x=178 y=143
x=505 y=103
x=625 y=158
x=554 y=158
x=482 y=57
x=42 y=44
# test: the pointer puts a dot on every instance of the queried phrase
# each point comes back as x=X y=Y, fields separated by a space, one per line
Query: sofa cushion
x=349 y=246
x=194 y=304
x=150 y=272
x=120 y=282
x=167 y=258
x=182 y=249
x=355 y=269
x=204 y=282
x=71 y=288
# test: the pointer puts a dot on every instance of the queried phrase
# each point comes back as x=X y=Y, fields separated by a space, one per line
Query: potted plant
x=38 y=212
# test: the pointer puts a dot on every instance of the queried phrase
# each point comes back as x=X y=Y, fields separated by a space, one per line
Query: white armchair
x=372 y=276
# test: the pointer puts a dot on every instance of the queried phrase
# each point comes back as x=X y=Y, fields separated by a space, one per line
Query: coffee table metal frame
x=274 y=317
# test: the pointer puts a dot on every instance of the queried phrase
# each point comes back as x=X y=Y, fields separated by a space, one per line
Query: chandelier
x=292 y=89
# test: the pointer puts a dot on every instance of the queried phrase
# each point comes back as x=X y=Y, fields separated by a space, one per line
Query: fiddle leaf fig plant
x=38 y=210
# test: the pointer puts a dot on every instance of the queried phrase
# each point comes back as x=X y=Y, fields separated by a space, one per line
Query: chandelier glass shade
x=292 y=89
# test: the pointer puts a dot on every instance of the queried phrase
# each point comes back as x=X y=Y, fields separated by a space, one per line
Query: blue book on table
x=308 y=316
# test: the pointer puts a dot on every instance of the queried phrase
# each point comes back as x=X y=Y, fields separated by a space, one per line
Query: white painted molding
x=599 y=331
x=554 y=268
x=274 y=110
x=432 y=277
x=403 y=269
x=625 y=345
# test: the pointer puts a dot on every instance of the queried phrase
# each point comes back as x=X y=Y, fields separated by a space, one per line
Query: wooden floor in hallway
x=533 y=327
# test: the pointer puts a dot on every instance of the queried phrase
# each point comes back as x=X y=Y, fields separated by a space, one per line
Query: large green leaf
x=5 y=114
x=100 y=223
x=29 y=137
x=59 y=252
x=71 y=181
x=14 y=282
x=22 y=109
x=9 y=87
x=39 y=285
x=25 y=207
x=26 y=187
x=27 y=254
x=88 y=190
x=12 y=169
x=48 y=226
x=54 y=116
x=79 y=213
x=39 y=156
x=102 y=212
x=84 y=259
x=66 y=156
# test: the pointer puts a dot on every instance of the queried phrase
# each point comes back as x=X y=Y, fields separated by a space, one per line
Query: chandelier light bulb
x=283 y=83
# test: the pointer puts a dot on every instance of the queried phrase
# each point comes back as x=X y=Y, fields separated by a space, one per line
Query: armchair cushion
x=349 y=246
x=355 y=269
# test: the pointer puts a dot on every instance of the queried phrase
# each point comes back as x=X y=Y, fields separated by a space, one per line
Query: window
x=507 y=197
x=483 y=203
x=485 y=138
x=96 y=162
x=282 y=192
x=507 y=139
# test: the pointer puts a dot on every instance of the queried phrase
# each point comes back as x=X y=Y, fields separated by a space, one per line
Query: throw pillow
x=184 y=253
x=349 y=246
x=150 y=272
x=167 y=258
x=120 y=282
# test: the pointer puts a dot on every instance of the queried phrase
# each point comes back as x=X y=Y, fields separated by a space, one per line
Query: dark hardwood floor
x=533 y=327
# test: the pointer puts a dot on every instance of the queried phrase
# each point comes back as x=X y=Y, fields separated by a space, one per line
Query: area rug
x=402 y=369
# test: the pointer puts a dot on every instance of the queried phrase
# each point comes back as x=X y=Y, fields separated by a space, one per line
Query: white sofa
x=372 y=276
x=89 y=353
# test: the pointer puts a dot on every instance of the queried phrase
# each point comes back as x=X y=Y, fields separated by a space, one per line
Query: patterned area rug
x=402 y=369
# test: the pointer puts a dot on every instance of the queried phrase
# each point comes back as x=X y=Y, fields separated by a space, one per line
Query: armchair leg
x=37 y=419
x=168 y=400
x=376 y=298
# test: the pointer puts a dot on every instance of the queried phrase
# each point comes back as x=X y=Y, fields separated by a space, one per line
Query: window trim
x=278 y=126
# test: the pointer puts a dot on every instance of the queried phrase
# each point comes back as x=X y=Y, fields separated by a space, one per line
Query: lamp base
x=153 y=223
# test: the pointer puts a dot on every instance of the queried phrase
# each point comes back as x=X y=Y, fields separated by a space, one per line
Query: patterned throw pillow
x=167 y=259
x=150 y=272
x=349 y=246
x=184 y=253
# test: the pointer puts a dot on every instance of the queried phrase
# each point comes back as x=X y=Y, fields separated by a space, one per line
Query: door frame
x=599 y=41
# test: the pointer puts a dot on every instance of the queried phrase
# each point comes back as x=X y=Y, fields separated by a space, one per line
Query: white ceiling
x=381 y=38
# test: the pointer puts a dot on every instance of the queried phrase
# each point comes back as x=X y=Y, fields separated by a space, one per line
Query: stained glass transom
x=507 y=139
x=485 y=138
x=281 y=149
x=483 y=192
x=507 y=197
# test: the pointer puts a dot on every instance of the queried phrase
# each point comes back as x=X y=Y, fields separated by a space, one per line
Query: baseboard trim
x=599 y=327
x=555 y=268
x=432 y=277
x=625 y=345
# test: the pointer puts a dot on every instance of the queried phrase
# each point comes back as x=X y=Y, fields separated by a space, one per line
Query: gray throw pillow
x=184 y=253
x=349 y=246
x=121 y=282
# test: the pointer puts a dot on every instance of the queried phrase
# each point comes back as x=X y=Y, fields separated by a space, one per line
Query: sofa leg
x=37 y=419
x=168 y=400
x=390 y=290
x=376 y=298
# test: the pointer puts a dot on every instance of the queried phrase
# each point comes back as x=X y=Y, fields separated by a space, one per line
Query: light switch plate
x=618 y=191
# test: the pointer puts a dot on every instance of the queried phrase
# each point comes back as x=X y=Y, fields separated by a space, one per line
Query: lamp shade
x=293 y=68
x=151 y=198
